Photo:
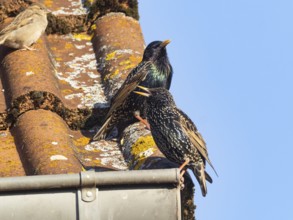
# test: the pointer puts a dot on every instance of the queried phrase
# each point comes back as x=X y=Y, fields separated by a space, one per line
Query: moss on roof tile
x=102 y=7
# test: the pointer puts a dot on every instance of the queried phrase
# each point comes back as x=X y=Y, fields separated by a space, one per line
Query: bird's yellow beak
x=165 y=43
x=144 y=88
x=146 y=94
x=142 y=93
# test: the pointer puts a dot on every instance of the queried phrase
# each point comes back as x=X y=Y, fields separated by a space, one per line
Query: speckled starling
x=153 y=71
x=175 y=134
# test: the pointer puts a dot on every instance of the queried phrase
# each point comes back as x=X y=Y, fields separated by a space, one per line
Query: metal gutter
x=109 y=178
x=143 y=194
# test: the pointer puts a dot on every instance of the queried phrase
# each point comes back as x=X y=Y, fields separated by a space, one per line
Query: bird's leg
x=184 y=164
x=182 y=169
x=181 y=180
x=144 y=121
x=182 y=173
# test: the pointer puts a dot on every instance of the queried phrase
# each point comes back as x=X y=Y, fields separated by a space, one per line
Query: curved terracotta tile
x=119 y=45
x=76 y=70
x=3 y=113
x=44 y=144
x=24 y=71
x=9 y=7
x=101 y=8
x=10 y=163
x=64 y=69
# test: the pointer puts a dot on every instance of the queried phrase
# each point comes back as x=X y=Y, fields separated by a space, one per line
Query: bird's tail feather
x=201 y=177
x=101 y=134
x=208 y=177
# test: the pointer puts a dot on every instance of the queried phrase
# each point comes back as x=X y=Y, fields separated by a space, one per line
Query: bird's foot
x=28 y=48
x=181 y=179
x=182 y=169
x=181 y=182
x=182 y=173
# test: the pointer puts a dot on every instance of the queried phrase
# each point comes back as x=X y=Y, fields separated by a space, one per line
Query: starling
x=153 y=71
x=26 y=28
x=175 y=134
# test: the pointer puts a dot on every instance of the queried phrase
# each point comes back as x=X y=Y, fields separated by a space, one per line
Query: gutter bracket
x=88 y=186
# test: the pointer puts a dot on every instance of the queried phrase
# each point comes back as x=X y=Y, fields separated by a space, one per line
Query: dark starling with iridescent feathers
x=153 y=71
x=175 y=134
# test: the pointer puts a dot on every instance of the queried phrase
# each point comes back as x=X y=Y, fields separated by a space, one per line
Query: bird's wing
x=24 y=18
x=195 y=137
x=137 y=75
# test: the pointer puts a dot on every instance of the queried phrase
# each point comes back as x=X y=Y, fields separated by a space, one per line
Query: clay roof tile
x=52 y=100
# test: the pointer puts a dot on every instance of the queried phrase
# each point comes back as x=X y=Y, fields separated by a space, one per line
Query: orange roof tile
x=54 y=98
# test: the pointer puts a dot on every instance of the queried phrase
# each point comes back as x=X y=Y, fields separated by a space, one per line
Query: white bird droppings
x=58 y=157
x=29 y=73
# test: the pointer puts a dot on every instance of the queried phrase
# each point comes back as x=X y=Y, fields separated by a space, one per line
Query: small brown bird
x=176 y=135
x=26 y=28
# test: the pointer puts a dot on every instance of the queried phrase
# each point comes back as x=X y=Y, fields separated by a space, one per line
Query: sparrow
x=26 y=28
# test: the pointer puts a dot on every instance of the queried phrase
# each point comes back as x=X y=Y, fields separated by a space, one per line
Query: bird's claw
x=28 y=48
x=181 y=183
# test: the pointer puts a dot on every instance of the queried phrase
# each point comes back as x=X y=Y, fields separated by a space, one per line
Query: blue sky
x=233 y=74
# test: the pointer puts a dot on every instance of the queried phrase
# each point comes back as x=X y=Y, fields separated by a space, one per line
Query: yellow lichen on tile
x=97 y=162
x=67 y=91
x=130 y=66
x=131 y=62
x=111 y=56
x=90 y=161
x=48 y=3
x=81 y=141
x=139 y=163
x=142 y=144
x=40 y=41
x=94 y=27
x=134 y=59
x=141 y=150
x=68 y=45
x=63 y=82
x=125 y=62
x=82 y=36
x=112 y=75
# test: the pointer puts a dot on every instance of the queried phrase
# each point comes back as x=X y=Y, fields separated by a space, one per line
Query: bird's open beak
x=165 y=43
x=147 y=93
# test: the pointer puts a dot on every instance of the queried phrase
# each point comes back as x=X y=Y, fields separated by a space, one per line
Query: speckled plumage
x=176 y=135
x=153 y=71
